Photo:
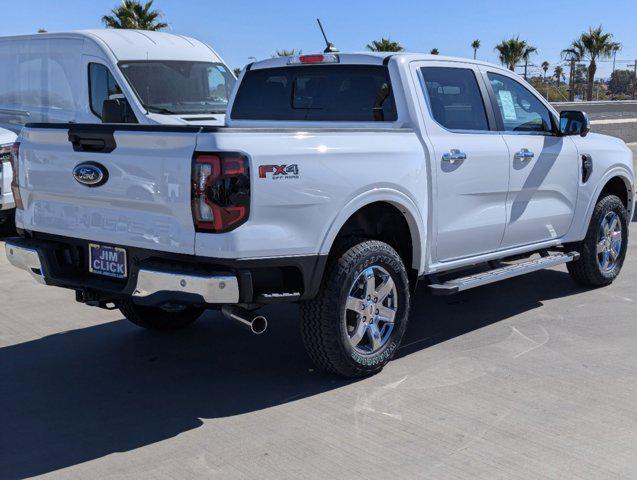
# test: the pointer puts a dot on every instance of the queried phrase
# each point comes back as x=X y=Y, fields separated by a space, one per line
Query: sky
x=242 y=29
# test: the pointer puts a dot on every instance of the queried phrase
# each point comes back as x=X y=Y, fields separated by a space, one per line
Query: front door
x=544 y=175
x=470 y=165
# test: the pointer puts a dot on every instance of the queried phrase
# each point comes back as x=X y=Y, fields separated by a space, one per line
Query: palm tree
x=575 y=54
x=593 y=46
x=528 y=50
x=475 y=45
x=558 y=75
x=385 y=45
x=434 y=51
x=545 y=67
x=511 y=52
x=132 y=14
x=287 y=53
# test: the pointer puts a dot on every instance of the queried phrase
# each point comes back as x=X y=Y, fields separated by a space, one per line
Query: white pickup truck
x=339 y=181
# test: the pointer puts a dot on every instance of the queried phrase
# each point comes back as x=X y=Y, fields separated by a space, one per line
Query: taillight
x=220 y=191
x=15 y=165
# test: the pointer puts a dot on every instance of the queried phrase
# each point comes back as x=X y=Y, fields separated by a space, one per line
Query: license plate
x=107 y=261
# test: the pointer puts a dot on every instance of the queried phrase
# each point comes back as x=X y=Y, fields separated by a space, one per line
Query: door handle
x=524 y=154
x=454 y=156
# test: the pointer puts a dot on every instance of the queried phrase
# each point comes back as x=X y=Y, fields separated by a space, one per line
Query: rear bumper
x=156 y=278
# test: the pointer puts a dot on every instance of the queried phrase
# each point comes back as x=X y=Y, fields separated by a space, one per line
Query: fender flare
x=394 y=197
x=616 y=171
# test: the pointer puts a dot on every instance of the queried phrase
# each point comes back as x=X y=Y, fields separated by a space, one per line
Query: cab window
x=519 y=109
x=454 y=98
x=101 y=86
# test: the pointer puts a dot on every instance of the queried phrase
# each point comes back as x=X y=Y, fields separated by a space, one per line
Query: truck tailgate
x=144 y=202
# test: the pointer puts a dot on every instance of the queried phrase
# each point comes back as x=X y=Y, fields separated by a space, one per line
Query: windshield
x=176 y=87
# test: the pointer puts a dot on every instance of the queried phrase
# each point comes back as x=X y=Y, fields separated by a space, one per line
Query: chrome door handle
x=454 y=156
x=524 y=154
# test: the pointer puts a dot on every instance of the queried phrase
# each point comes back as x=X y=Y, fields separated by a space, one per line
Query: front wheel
x=603 y=251
x=153 y=318
x=356 y=323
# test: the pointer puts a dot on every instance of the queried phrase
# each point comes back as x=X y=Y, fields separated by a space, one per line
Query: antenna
x=330 y=46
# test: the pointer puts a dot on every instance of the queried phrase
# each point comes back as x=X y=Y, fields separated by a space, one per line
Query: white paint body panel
x=145 y=203
x=456 y=218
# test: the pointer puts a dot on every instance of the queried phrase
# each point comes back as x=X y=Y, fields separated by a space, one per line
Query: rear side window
x=348 y=93
x=454 y=98
x=101 y=86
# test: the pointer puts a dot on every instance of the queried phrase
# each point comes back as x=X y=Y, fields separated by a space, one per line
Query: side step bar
x=509 y=271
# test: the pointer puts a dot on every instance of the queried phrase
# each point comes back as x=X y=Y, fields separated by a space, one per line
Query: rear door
x=142 y=201
x=470 y=165
x=543 y=166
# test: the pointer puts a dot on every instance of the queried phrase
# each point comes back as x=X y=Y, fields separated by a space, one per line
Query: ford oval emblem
x=90 y=174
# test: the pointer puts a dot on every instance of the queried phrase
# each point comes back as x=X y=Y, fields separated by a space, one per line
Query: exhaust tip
x=259 y=325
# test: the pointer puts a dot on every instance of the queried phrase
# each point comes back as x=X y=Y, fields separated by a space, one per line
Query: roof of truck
x=137 y=44
x=374 y=58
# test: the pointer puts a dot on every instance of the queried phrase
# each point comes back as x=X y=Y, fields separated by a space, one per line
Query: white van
x=111 y=76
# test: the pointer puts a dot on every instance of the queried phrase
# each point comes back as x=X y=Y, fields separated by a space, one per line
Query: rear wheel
x=603 y=250
x=356 y=323
x=153 y=318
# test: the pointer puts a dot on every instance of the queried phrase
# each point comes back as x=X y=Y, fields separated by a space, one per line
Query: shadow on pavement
x=83 y=394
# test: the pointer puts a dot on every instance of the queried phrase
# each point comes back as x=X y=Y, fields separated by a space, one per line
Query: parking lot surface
x=531 y=378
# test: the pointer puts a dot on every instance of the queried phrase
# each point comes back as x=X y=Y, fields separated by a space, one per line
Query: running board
x=509 y=271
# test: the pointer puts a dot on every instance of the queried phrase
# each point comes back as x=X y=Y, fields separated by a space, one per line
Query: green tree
x=475 y=45
x=545 y=67
x=621 y=82
x=593 y=46
x=287 y=53
x=558 y=75
x=135 y=15
x=528 y=51
x=236 y=71
x=385 y=45
x=434 y=51
x=511 y=52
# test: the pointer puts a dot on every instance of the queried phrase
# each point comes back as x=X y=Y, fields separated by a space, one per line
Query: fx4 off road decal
x=277 y=172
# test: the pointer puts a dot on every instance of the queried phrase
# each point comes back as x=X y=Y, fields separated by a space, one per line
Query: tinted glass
x=521 y=111
x=355 y=93
x=101 y=86
x=181 y=87
x=454 y=98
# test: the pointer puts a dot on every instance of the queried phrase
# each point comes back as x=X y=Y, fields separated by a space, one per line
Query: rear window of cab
x=348 y=93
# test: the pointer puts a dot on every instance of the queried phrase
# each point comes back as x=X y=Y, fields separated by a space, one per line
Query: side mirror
x=574 y=122
x=117 y=110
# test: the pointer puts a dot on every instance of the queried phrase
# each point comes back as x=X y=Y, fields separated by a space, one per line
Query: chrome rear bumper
x=217 y=289
x=26 y=259
x=221 y=289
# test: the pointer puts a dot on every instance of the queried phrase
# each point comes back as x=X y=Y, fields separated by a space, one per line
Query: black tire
x=153 y=318
x=323 y=319
x=587 y=270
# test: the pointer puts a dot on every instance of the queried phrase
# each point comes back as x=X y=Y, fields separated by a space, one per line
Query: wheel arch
x=611 y=182
x=383 y=203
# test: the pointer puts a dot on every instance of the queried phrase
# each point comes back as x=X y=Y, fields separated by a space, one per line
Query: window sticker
x=508 y=108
